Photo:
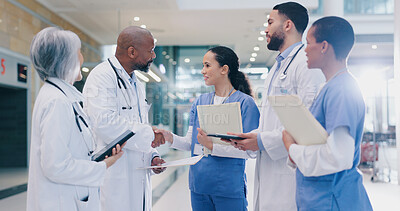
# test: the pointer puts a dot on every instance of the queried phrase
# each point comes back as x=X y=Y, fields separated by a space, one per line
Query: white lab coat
x=60 y=171
x=125 y=187
x=275 y=184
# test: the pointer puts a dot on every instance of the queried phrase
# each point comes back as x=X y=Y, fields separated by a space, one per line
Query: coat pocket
x=90 y=202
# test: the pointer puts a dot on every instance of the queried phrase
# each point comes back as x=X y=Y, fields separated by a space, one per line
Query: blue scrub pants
x=205 y=202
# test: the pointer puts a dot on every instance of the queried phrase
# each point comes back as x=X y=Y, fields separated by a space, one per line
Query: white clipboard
x=298 y=120
x=182 y=162
x=220 y=119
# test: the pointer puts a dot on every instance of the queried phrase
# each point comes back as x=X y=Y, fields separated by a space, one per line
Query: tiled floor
x=384 y=196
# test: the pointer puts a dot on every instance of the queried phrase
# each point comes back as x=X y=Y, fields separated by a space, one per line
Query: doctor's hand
x=167 y=135
x=288 y=139
x=157 y=161
x=249 y=143
x=204 y=139
x=116 y=154
x=158 y=138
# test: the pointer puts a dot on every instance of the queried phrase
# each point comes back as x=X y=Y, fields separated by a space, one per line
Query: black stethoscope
x=119 y=82
x=284 y=73
x=77 y=118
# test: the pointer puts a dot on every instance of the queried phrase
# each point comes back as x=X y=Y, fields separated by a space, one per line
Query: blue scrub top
x=340 y=103
x=222 y=176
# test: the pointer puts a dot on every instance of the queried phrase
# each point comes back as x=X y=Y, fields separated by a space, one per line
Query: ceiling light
x=164 y=53
x=136 y=18
x=174 y=63
x=155 y=40
x=180 y=95
x=264 y=75
x=187 y=60
x=258 y=70
x=171 y=95
x=265 y=24
x=167 y=56
x=374 y=47
x=85 y=69
x=162 y=68
x=141 y=76
x=154 y=76
x=256 y=48
x=262 y=33
x=260 y=38
x=143 y=26
x=254 y=54
x=252 y=59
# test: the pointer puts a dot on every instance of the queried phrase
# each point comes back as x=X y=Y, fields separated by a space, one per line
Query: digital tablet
x=224 y=136
x=107 y=150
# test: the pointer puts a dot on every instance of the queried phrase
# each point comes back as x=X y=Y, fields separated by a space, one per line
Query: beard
x=144 y=67
x=276 y=41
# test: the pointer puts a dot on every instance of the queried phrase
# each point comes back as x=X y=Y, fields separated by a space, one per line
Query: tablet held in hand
x=107 y=150
x=224 y=136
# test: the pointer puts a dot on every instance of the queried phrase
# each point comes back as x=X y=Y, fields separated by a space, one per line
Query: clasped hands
x=157 y=161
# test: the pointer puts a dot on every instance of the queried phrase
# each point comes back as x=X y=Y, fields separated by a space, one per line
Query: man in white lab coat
x=275 y=185
x=115 y=100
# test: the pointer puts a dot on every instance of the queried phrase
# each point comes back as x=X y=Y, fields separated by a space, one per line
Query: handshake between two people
x=160 y=137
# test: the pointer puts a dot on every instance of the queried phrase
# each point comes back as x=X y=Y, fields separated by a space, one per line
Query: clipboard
x=107 y=150
x=220 y=119
x=298 y=120
x=182 y=162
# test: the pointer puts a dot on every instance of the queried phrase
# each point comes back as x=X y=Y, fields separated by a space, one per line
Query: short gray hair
x=54 y=53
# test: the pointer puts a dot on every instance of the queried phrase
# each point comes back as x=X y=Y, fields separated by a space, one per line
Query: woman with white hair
x=61 y=173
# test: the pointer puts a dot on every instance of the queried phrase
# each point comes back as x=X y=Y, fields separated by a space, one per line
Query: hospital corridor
x=211 y=105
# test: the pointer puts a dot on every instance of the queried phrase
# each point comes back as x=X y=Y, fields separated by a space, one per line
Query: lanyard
x=77 y=118
x=212 y=99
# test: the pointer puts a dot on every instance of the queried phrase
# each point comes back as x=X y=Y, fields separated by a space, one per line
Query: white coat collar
x=294 y=49
x=121 y=71
x=72 y=93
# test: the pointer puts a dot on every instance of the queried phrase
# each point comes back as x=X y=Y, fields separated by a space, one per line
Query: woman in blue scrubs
x=327 y=177
x=218 y=181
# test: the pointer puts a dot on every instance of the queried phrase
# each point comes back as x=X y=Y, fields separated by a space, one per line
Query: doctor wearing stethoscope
x=115 y=100
x=61 y=173
x=274 y=186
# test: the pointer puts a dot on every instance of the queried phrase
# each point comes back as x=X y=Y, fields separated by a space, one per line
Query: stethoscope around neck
x=119 y=82
x=77 y=118
x=284 y=73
